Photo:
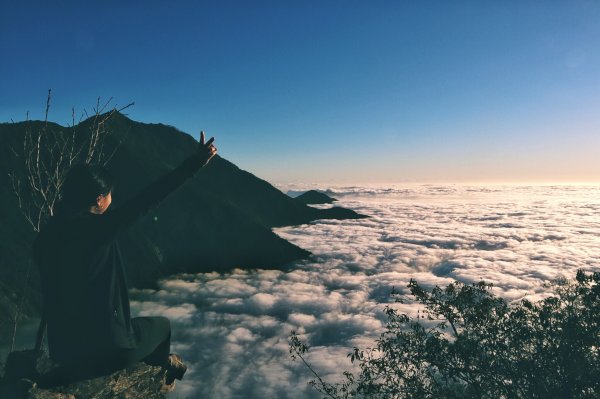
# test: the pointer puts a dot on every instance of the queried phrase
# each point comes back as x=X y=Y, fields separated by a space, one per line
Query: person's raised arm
x=154 y=193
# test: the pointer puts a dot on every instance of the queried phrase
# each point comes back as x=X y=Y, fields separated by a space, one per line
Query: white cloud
x=232 y=328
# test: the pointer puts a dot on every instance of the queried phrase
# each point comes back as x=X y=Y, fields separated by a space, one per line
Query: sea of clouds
x=233 y=329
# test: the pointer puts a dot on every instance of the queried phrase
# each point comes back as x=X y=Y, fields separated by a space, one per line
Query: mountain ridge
x=219 y=220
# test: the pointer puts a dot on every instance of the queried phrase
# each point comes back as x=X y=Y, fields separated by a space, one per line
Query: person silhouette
x=84 y=287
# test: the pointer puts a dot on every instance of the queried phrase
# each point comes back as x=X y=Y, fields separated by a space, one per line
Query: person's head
x=87 y=188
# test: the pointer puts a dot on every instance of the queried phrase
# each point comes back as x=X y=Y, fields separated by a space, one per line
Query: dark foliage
x=471 y=344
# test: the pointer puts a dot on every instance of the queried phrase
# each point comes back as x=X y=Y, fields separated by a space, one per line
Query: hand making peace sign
x=206 y=150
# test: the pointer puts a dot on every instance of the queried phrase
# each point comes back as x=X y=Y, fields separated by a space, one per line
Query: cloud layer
x=232 y=328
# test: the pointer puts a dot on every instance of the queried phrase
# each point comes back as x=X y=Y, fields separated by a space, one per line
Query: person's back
x=84 y=288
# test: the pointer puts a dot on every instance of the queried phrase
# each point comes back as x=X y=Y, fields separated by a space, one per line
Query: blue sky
x=330 y=91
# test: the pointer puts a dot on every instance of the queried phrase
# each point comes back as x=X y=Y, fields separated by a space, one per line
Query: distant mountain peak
x=315 y=197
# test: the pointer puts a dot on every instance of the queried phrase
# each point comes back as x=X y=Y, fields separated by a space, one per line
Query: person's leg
x=162 y=332
x=153 y=338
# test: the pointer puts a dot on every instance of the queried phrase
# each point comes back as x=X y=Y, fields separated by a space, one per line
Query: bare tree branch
x=47 y=155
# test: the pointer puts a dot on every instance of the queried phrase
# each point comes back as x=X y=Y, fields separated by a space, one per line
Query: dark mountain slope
x=252 y=195
x=221 y=219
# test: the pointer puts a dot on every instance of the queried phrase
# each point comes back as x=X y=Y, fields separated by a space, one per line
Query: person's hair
x=83 y=184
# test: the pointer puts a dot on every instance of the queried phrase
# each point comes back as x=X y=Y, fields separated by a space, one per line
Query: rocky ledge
x=25 y=374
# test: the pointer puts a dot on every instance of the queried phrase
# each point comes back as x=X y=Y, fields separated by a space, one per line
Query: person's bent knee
x=163 y=324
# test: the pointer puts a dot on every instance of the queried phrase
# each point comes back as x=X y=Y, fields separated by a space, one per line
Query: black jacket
x=82 y=273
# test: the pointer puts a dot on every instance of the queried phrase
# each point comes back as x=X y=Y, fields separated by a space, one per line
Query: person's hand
x=206 y=150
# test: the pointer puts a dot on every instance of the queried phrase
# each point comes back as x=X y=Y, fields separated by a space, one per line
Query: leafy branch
x=546 y=349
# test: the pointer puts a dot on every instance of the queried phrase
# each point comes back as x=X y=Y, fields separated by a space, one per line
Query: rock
x=27 y=371
x=138 y=382
x=41 y=394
